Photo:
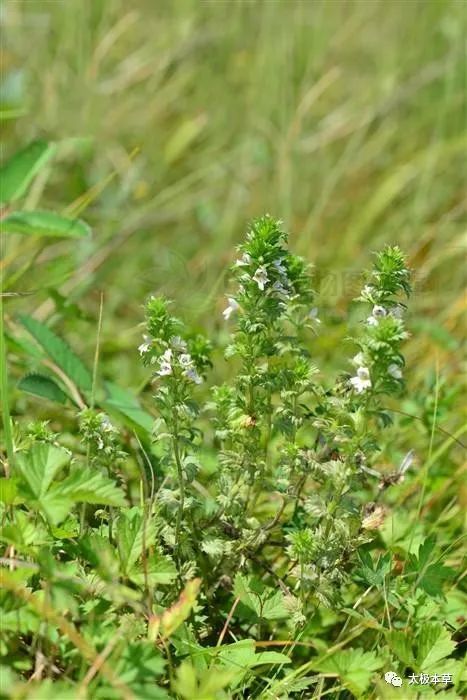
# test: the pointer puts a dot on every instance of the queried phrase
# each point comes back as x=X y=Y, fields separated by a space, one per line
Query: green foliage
x=59 y=352
x=41 y=385
x=235 y=503
x=45 y=223
x=18 y=172
x=354 y=667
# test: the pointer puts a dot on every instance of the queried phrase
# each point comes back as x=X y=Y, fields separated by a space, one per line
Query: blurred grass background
x=179 y=121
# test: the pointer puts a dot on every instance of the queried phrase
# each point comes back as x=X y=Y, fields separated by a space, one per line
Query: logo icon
x=393 y=679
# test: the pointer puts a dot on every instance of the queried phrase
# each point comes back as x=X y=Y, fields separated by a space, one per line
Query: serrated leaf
x=43 y=386
x=159 y=571
x=60 y=352
x=353 y=666
x=21 y=168
x=39 y=465
x=433 y=644
x=266 y=603
x=89 y=486
x=45 y=223
x=401 y=644
x=133 y=531
x=213 y=548
x=200 y=684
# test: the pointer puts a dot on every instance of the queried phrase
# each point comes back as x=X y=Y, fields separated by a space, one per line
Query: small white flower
x=395 y=371
x=244 y=260
x=367 y=290
x=379 y=311
x=261 y=277
x=281 y=290
x=362 y=380
x=229 y=310
x=178 y=343
x=106 y=425
x=145 y=345
x=313 y=314
x=192 y=374
x=165 y=362
x=279 y=267
x=185 y=360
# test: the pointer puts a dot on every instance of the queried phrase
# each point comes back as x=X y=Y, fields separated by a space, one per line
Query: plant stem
x=181 y=484
x=4 y=390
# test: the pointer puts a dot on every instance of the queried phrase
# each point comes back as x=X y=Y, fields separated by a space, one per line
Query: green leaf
x=39 y=465
x=127 y=405
x=434 y=577
x=45 y=223
x=43 y=386
x=7 y=490
x=428 y=577
x=266 y=603
x=89 y=486
x=18 y=172
x=59 y=352
x=194 y=684
x=372 y=574
x=434 y=644
x=160 y=571
x=353 y=666
x=132 y=533
x=401 y=644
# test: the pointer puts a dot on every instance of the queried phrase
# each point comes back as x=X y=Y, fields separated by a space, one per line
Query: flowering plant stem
x=181 y=482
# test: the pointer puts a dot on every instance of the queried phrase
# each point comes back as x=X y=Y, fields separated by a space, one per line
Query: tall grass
x=180 y=121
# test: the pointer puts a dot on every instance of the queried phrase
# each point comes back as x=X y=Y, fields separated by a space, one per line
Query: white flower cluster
x=281 y=288
x=145 y=346
x=106 y=427
x=361 y=382
x=180 y=357
x=379 y=312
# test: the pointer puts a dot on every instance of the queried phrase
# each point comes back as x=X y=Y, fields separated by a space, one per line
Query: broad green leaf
x=401 y=644
x=18 y=172
x=193 y=684
x=434 y=643
x=45 y=223
x=24 y=534
x=59 y=352
x=7 y=490
x=354 y=667
x=159 y=571
x=133 y=532
x=89 y=486
x=39 y=465
x=267 y=604
x=123 y=401
x=43 y=386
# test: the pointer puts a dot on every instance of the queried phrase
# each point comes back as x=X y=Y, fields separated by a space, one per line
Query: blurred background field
x=177 y=122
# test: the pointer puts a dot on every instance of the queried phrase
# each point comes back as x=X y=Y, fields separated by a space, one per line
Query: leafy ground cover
x=232 y=461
